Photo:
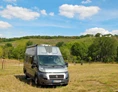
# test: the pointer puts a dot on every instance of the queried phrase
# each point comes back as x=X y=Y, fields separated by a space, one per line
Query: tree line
x=53 y=37
x=14 y=52
x=99 y=49
x=102 y=49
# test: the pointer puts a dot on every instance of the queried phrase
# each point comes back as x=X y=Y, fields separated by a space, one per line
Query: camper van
x=45 y=65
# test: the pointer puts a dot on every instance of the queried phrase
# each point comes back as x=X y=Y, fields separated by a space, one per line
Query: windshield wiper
x=58 y=65
x=52 y=65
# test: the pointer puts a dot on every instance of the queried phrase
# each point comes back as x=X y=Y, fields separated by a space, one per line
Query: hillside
x=51 y=41
x=74 y=49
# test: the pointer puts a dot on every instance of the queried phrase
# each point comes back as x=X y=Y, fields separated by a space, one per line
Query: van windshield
x=51 y=60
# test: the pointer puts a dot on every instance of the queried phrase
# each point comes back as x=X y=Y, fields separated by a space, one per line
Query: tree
x=103 y=49
x=59 y=44
x=7 y=49
x=117 y=54
x=98 y=35
x=19 y=52
x=8 y=45
x=29 y=43
x=88 y=35
x=65 y=52
x=79 y=49
x=1 y=52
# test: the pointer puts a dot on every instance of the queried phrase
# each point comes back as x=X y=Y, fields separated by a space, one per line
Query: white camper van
x=45 y=64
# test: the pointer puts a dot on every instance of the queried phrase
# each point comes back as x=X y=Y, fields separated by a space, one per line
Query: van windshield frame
x=51 y=60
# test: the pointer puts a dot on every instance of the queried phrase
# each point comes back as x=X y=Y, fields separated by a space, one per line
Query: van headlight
x=66 y=75
x=65 y=68
x=41 y=69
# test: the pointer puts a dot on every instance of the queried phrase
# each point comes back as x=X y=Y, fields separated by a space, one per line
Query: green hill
x=73 y=48
x=51 y=41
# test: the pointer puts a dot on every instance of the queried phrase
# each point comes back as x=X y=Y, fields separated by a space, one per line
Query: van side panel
x=31 y=51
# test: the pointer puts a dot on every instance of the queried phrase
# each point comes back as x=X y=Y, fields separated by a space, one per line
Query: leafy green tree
x=8 y=45
x=65 y=52
x=29 y=43
x=19 y=52
x=117 y=54
x=103 y=49
x=79 y=49
x=7 y=50
x=10 y=53
x=94 y=51
x=59 y=44
x=88 y=35
x=1 y=52
x=98 y=35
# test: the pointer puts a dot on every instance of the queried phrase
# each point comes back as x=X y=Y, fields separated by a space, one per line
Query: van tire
x=36 y=81
x=65 y=84
x=26 y=76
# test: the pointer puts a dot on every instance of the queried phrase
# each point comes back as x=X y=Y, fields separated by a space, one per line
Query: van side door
x=34 y=66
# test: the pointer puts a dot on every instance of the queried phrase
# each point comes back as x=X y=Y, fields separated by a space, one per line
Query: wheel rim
x=36 y=80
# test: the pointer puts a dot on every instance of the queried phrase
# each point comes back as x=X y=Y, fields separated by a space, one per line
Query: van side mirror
x=66 y=64
x=34 y=65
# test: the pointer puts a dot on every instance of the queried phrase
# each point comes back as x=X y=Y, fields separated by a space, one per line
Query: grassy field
x=83 y=78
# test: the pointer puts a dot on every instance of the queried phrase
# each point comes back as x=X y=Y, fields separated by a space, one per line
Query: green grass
x=87 y=78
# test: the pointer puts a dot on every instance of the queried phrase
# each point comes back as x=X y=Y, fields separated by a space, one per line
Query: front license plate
x=56 y=81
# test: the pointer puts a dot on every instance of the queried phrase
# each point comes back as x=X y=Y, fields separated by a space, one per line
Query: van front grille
x=56 y=76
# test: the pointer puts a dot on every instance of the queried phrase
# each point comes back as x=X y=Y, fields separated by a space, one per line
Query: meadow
x=94 y=77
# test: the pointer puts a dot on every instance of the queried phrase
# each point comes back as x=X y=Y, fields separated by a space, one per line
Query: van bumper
x=43 y=80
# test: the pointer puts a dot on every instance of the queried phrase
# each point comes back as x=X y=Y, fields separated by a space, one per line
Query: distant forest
x=85 y=48
x=54 y=37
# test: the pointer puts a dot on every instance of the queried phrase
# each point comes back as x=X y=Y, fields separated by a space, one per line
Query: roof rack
x=32 y=46
x=45 y=45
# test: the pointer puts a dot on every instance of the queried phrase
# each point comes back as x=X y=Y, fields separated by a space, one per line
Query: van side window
x=31 y=59
x=35 y=59
x=26 y=58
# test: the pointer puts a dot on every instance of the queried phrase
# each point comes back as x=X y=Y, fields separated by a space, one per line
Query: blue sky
x=58 y=17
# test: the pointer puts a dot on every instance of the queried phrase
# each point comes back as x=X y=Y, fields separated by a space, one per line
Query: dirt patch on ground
x=94 y=82
x=10 y=60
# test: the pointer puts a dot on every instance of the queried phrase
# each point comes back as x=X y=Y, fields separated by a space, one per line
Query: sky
x=57 y=17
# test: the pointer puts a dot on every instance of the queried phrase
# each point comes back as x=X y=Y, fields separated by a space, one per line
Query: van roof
x=43 y=50
x=48 y=50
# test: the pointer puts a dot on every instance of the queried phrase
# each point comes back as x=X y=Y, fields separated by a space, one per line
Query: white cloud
x=10 y=1
x=99 y=30
x=87 y=1
x=96 y=30
x=43 y=12
x=51 y=13
x=82 y=12
x=18 y=12
x=115 y=32
x=36 y=8
x=4 y=25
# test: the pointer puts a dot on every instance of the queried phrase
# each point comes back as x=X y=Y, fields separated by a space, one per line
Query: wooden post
x=2 y=63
